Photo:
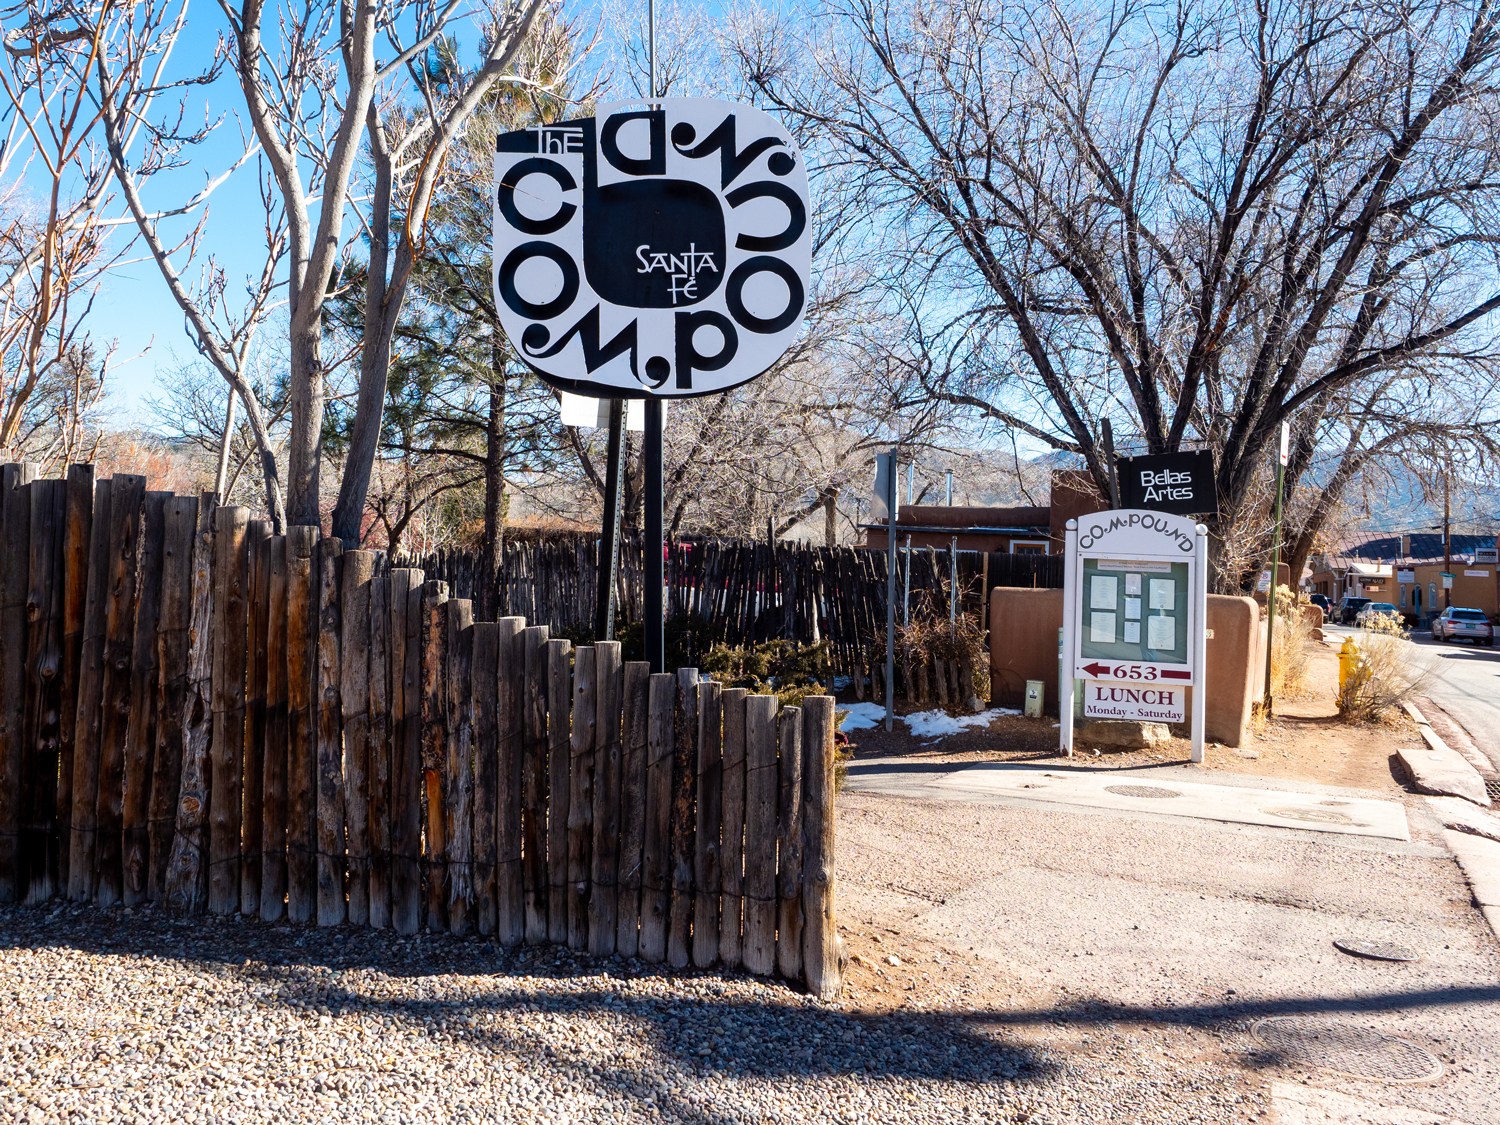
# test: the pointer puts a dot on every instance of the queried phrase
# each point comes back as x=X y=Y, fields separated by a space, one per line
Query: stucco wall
x=1023 y=646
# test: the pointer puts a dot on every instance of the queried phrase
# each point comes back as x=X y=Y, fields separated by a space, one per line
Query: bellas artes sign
x=659 y=251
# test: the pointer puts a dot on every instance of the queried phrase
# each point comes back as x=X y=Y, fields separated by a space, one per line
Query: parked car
x=1374 y=611
x=1322 y=602
x=1349 y=608
x=1467 y=624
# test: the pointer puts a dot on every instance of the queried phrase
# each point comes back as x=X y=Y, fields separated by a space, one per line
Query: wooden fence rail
x=199 y=713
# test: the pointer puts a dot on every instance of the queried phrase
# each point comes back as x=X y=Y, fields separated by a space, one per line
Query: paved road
x=1465 y=683
x=1162 y=940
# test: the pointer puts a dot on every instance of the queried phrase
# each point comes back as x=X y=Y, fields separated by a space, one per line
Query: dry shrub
x=1389 y=672
x=1289 y=657
x=928 y=638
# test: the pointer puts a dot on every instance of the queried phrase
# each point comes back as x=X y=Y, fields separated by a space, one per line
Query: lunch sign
x=1134 y=628
x=662 y=251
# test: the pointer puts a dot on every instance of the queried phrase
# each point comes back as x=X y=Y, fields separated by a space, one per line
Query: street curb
x=1439 y=769
x=1479 y=860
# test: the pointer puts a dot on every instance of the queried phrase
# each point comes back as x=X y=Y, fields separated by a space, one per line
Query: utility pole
x=952 y=567
x=1275 y=562
x=1447 y=544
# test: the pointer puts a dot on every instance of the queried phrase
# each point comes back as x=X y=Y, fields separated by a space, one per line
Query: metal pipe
x=609 y=540
x=655 y=545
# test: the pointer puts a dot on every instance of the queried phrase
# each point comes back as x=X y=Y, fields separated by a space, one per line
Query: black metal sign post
x=654 y=611
x=609 y=539
x=655 y=546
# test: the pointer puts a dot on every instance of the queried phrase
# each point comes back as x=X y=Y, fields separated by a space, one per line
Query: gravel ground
x=121 y=1016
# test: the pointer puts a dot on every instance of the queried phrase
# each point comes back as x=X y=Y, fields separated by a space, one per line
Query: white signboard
x=1103 y=700
x=1476 y=574
x=1135 y=619
x=658 y=251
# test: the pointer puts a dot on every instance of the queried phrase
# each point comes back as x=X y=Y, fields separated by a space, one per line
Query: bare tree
x=1199 y=220
x=54 y=244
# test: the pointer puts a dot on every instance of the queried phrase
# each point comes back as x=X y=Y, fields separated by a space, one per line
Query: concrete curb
x=1437 y=768
x=1480 y=860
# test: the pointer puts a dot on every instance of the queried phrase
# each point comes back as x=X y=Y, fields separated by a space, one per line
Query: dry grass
x=1390 y=671
x=1289 y=653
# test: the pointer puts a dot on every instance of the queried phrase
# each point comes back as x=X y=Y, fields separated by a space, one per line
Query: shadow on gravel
x=700 y=1022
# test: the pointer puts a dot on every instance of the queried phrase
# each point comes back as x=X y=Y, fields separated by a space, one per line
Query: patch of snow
x=927 y=725
x=940 y=724
x=862 y=716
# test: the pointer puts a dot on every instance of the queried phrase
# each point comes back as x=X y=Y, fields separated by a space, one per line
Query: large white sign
x=1134 y=619
x=652 y=251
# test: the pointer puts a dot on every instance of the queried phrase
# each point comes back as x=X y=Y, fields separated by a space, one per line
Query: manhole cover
x=1376 y=950
x=1355 y=1051
x=1320 y=816
x=1141 y=791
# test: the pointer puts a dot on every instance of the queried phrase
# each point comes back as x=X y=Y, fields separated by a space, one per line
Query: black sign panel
x=1179 y=483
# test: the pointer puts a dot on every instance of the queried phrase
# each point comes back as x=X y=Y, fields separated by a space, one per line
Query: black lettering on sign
x=656 y=220
x=732 y=161
x=796 y=215
x=689 y=358
x=735 y=295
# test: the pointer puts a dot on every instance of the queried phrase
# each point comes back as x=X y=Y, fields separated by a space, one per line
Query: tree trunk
x=305 y=444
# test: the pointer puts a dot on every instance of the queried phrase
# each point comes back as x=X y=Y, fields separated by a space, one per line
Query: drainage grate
x=1492 y=787
x=1375 y=950
x=1320 y=816
x=1356 y=1051
x=1141 y=791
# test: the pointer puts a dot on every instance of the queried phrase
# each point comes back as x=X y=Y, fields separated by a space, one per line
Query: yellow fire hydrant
x=1349 y=660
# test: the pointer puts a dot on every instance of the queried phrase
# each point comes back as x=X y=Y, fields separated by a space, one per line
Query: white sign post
x=1135 y=628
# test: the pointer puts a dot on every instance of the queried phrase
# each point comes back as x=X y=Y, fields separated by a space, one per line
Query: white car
x=1369 y=613
x=1467 y=624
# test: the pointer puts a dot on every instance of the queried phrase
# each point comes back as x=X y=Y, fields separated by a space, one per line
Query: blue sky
x=135 y=308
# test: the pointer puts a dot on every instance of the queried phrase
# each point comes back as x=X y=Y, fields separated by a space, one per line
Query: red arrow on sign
x=1098 y=669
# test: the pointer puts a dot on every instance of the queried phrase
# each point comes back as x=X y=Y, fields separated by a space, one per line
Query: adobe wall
x=1023 y=646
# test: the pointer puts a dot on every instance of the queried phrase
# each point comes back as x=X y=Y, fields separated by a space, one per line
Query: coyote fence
x=739 y=592
x=196 y=712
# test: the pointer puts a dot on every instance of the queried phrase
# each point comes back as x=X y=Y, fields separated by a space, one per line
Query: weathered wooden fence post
x=302 y=737
x=760 y=834
x=604 y=859
x=510 y=721
x=656 y=856
x=822 y=958
x=581 y=799
x=354 y=694
x=559 y=784
x=274 y=758
x=231 y=575
x=732 y=834
x=140 y=734
x=534 y=881
x=435 y=745
x=635 y=706
x=187 y=869
x=707 y=875
x=458 y=816
x=127 y=495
